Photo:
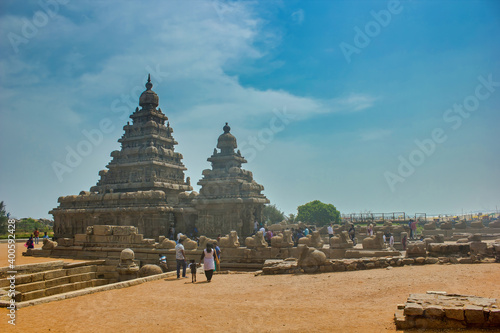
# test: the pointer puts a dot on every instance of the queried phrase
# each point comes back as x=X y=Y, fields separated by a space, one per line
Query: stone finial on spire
x=149 y=85
x=226 y=128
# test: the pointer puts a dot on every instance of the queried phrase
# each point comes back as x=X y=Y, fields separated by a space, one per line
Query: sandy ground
x=363 y=301
x=20 y=259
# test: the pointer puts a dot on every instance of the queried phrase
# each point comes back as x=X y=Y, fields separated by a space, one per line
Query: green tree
x=271 y=214
x=291 y=218
x=4 y=218
x=318 y=213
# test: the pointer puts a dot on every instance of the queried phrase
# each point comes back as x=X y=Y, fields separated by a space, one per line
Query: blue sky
x=352 y=128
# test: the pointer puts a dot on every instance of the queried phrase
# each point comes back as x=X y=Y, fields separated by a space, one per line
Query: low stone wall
x=439 y=310
x=290 y=265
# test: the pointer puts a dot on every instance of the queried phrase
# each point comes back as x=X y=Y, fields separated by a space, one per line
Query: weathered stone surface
x=494 y=317
x=124 y=230
x=474 y=314
x=456 y=313
x=65 y=242
x=313 y=240
x=431 y=261
x=310 y=259
x=282 y=240
x=230 y=240
x=103 y=230
x=420 y=260
x=341 y=241
x=434 y=311
x=48 y=244
x=148 y=270
x=413 y=309
x=256 y=241
x=408 y=261
x=374 y=242
x=416 y=249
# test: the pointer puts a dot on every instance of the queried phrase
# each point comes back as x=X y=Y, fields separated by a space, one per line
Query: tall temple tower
x=142 y=185
x=229 y=198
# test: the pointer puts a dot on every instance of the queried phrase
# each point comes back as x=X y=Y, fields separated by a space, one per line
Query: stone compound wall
x=107 y=242
x=439 y=310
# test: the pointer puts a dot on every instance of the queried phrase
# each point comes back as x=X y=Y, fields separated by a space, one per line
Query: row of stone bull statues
x=281 y=240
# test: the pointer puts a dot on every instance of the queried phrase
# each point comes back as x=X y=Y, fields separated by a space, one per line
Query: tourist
x=36 y=233
x=403 y=241
x=163 y=263
x=45 y=236
x=391 y=242
x=255 y=227
x=330 y=230
x=180 y=258
x=269 y=235
x=208 y=261
x=262 y=229
x=217 y=260
x=371 y=229
x=192 y=267
x=413 y=229
x=306 y=232
x=352 y=234
x=29 y=243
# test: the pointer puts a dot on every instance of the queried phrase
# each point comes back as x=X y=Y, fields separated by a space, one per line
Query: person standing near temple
x=208 y=261
x=36 y=233
x=180 y=258
x=330 y=230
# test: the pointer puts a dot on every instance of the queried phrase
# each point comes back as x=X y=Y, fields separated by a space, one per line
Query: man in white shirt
x=180 y=258
x=330 y=231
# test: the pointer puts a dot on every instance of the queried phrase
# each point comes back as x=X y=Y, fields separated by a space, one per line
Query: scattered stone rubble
x=439 y=310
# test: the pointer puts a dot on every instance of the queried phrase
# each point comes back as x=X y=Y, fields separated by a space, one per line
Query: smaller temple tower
x=229 y=198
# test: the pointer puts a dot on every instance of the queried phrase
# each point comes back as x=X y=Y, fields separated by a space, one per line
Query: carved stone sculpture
x=190 y=244
x=313 y=240
x=448 y=225
x=256 y=241
x=310 y=259
x=230 y=240
x=477 y=225
x=166 y=244
x=282 y=240
x=341 y=241
x=374 y=242
x=461 y=225
x=204 y=241
x=48 y=244
x=148 y=270
x=430 y=226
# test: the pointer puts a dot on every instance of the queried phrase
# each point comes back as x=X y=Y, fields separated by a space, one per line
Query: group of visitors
x=412 y=224
x=34 y=239
x=210 y=258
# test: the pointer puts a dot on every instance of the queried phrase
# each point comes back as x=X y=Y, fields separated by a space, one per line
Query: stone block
x=59 y=289
x=420 y=261
x=24 y=288
x=434 y=311
x=474 y=314
x=23 y=279
x=65 y=242
x=431 y=261
x=103 y=230
x=408 y=261
x=494 y=317
x=82 y=277
x=81 y=238
x=429 y=323
x=35 y=277
x=478 y=247
x=33 y=295
x=124 y=230
x=413 y=309
x=456 y=313
x=57 y=282
x=138 y=238
x=416 y=249
x=54 y=274
x=100 y=239
x=81 y=270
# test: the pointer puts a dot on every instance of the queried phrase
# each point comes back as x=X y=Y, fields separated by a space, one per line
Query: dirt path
x=363 y=301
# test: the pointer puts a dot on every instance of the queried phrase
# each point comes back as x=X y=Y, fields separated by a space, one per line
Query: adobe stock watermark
x=427 y=147
x=253 y=144
x=30 y=28
x=124 y=106
x=372 y=29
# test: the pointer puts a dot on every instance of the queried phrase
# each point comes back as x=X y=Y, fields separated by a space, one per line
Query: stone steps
x=71 y=277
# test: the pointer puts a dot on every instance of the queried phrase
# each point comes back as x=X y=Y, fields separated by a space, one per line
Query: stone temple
x=144 y=185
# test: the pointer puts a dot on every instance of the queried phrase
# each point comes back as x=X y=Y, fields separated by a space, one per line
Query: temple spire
x=149 y=85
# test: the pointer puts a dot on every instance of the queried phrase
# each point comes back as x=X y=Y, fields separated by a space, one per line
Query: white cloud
x=298 y=16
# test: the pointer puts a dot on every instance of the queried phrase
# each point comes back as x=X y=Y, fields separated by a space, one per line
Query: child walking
x=192 y=266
